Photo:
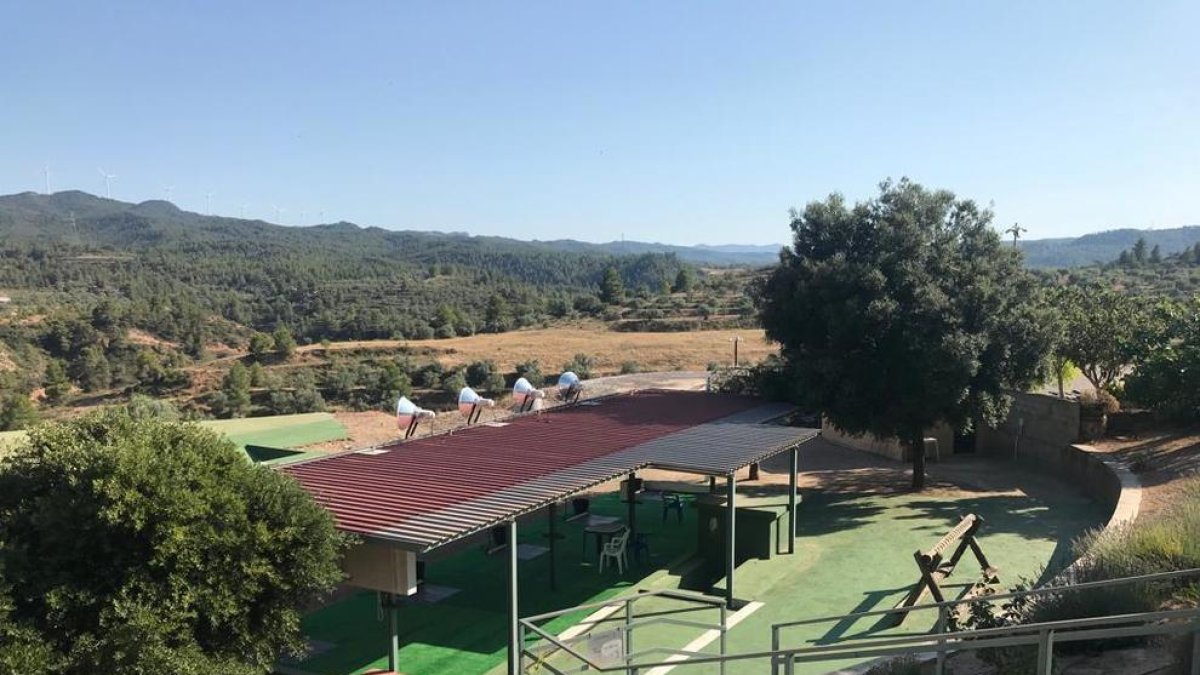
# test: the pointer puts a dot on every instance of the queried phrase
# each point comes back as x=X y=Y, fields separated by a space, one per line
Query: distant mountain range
x=120 y=225
x=101 y=222
x=1103 y=247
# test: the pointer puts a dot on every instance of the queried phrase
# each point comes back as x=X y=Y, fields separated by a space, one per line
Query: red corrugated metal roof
x=370 y=493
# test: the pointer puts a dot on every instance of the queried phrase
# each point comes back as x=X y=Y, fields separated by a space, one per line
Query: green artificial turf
x=465 y=633
x=281 y=431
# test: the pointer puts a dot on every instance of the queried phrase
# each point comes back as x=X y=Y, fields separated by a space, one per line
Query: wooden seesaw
x=934 y=568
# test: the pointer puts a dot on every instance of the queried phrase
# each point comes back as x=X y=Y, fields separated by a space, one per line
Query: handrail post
x=774 y=650
x=521 y=642
x=724 y=637
x=1045 y=657
x=1194 y=666
x=940 y=627
x=629 y=637
x=789 y=665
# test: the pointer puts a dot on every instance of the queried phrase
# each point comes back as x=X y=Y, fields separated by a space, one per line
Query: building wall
x=892 y=448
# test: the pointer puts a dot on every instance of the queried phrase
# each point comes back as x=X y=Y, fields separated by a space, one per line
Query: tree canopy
x=138 y=546
x=903 y=312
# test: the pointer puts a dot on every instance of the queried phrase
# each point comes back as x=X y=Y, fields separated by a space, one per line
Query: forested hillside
x=1102 y=247
x=100 y=300
x=1143 y=269
x=172 y=271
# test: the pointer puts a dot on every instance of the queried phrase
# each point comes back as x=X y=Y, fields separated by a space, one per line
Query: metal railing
x=1043 y=636
x=534 y=659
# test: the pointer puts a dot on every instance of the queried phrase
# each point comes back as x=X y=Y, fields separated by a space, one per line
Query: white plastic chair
x=615 y=549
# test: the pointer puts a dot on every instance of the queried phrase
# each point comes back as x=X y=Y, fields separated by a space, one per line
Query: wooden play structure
x=935 y=568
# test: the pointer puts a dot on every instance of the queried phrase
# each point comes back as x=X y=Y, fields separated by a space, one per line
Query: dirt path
x=1163 y=460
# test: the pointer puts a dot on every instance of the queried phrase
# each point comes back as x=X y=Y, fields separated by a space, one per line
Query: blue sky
x=688 y=122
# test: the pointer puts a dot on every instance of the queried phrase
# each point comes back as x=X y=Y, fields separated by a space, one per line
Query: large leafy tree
x=138 y=546
x=1168 y=378
x=1106 y=332
x=903 y=312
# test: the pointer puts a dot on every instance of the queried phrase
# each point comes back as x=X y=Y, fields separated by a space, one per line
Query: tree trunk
x=918 y=457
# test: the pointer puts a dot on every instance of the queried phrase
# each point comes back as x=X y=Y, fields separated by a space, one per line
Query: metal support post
x=552 y=517
x=389 y=602
x=1045 y=656
x=943 y=618
x=514 y=624
x=793 y=468
x=632 y=511
x=1194 y=666
x=774 y=650
x=730 y=536
x=724 y=635
x=629 y=636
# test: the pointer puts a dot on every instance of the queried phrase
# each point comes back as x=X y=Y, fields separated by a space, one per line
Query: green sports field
x=279 y=431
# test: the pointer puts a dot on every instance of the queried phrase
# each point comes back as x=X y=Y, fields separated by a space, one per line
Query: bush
x=905 y=665
x=581 y=365
x=453 y=383
x=767 y=379
x=484 y=376
x=630 y=367
x=532 y=371
x=300 y=400
x=142 y=407
x=139 y=546
x=16 y=412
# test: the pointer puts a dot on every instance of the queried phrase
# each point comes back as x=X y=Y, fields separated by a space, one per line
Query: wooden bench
x=935 y=568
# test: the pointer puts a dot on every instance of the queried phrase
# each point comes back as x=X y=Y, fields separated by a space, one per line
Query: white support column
x=730 y=536
x=514 y=635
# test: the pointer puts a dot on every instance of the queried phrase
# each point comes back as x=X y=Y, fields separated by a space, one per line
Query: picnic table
x=603 y=530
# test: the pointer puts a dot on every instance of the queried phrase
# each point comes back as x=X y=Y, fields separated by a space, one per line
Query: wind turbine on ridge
x=208 y=203
x=46 y=174
x=167 y=189
x=278 y=212
x=107 y=183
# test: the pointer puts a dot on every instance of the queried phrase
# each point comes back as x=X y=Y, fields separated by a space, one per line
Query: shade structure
x=426 y=493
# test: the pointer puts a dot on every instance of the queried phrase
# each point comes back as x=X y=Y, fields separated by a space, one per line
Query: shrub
x=484 y=375
x=905 y=665
x=300 y=400
x=140 y=546
x=16 y=412
x=142 y=407
x=630 y=367
x=767 y=379
x=532 y=371
x=581 y=365
x=453 y=383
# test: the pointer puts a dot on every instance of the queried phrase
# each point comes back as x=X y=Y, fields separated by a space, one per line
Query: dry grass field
x=555 y=346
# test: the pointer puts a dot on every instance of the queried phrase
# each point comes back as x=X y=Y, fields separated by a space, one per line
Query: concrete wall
x=1039 y=426
x=892 y=448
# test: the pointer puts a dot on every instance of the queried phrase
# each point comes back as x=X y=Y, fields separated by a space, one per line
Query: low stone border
x=1128 y=502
